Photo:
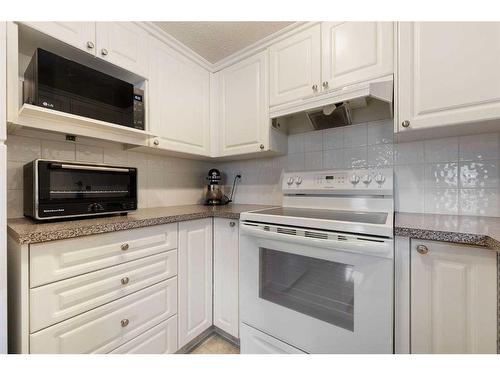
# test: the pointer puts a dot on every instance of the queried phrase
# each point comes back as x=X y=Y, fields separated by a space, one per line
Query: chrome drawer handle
x=422 y=249
x=124 y=322
x=125 y=247
x=125 y=280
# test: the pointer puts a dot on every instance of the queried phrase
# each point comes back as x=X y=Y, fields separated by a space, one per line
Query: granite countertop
x=27 y=231
x=469 y=230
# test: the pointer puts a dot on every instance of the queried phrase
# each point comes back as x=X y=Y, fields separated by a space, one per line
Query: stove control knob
x=298 y=180
x=380 y=178
x=354 y=179
x=289 y=181
x=367 y=179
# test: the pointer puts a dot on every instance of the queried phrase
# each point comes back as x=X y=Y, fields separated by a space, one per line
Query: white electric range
x=316 y=275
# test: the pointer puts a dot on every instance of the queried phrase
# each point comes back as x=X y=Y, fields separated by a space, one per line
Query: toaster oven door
x=77 y=189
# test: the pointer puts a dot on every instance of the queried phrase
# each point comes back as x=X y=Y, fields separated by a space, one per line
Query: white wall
x=163 y=181
x=456 y=175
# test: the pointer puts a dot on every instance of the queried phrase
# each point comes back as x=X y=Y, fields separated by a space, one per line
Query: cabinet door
x=244 y=106
x=77 y=34
x=226 y=275
x=179 y=110
x=355 y=51
x=195 y=278
x=448 y=73
x=123 y=44
x=453 y=299
x=295 y=66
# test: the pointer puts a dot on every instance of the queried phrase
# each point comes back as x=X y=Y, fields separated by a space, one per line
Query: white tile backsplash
x=454 y=175
x=162 y=180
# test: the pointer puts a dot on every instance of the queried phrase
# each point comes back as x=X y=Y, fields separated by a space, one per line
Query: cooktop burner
x=336 y=215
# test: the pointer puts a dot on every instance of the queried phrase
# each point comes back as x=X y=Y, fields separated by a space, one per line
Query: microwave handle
x=88 y=167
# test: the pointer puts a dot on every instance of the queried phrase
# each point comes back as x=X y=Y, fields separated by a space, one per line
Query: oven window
x=318 y=288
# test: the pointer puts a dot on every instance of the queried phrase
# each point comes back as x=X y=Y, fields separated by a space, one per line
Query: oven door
x=319 y=291
x=71 y=189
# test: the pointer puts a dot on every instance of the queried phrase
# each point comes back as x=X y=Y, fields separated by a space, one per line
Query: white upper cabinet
x=242 y=124
x=179 y=97
x=295 y=66
x=81 y=35
x=453 y=298
x=448 y=73
x=123 y=44
x=355 y=51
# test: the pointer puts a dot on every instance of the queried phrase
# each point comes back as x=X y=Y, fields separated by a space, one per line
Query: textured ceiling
x=217 y=40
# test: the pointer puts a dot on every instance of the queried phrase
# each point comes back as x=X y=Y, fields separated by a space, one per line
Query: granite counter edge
x=480 y=240
x=92 y=229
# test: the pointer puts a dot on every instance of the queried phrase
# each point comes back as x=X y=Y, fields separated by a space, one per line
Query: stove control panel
x=357 y=181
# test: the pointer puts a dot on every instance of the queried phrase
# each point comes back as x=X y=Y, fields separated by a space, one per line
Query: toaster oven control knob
x=367 y=179
x=380 y=178
x=354 y=179
x=96 y=207
x=289 y=181
x=298 y=180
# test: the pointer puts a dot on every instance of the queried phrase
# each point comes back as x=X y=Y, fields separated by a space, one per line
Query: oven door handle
x=383 y=249
x=88 y=167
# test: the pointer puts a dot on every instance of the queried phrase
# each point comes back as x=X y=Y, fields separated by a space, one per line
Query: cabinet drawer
x=107 y=327
x=253 y=341
x=161 y=339
x=52 y=303
x=59 y=260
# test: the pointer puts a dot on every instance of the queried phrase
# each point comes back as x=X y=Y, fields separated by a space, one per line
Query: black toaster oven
x=59 y=189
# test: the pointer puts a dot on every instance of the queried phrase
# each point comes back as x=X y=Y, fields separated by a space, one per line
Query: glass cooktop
x=336 y=215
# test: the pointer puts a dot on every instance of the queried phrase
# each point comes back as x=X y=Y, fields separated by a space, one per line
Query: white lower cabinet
x=105 y=328
x=161 y=339
x=254 y=341
x=226 y=275
x=195 y=278
x=453 y=298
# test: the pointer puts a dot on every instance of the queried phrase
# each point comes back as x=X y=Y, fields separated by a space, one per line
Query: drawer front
x=253 y=341
x=161 y=339
x=60 y=260
x=53 y=303
x=107 y=327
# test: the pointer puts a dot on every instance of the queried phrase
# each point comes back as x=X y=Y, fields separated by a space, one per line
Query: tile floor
x=216 y=344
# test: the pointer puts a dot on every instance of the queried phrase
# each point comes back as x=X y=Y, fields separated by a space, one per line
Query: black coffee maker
x=213 y=192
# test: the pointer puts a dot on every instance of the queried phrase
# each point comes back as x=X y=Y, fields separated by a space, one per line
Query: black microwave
x=57 y=83
x=60 y=189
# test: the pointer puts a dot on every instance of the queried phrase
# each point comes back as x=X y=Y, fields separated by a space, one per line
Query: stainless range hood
x=363 y=102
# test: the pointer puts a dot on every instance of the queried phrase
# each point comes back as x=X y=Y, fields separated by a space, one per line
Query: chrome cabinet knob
x=315 y=88
x=90 y=45
x=232 y=224
x=156 y=142
x=104 y=52
x=124 y=322
x=422 y=249
x=405 y=124
x=125 y=246
x=125 y=280
x=325 y=84
x=261 y=146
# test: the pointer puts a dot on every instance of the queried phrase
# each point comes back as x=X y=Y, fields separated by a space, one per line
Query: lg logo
x=50 y=105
